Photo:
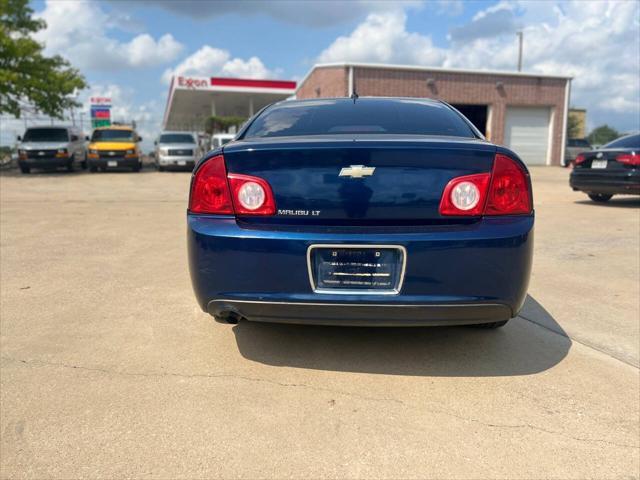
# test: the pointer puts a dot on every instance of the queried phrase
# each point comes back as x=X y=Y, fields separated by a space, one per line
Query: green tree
x=27 y=77
x=602 y=134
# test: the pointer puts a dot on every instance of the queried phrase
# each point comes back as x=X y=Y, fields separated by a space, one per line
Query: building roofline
x=389 y=66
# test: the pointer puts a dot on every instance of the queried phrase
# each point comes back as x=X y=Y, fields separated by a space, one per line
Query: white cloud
x=492 y=22
x=209 y=61
x=596 y=42
x=383 y=38
x=79 y=30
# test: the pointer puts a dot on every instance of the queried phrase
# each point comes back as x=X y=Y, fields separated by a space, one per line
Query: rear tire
x=492 y=325
x=160 y=169
x=70 y=166
x=137 y=167
x=25 y=169
x=93 y=169
x=600 y=197
x=83 y=165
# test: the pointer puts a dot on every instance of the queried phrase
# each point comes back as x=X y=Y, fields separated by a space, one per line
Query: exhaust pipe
x=224 y=313
x=228 y=317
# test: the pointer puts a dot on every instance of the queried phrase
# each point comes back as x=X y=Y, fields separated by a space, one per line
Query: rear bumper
x=461 y=274
x=50 y=162
x=618 y=181
x=177 y=162
x=122 y=162
x=361 y=314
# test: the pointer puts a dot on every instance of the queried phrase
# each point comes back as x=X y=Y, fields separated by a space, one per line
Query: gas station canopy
x=193 y=99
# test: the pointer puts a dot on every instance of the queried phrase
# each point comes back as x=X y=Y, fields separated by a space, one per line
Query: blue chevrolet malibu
x=361 y=211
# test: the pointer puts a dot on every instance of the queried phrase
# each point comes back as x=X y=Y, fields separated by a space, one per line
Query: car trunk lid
x=364 y=179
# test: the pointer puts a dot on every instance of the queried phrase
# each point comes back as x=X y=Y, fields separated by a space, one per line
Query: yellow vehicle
x=114 y=147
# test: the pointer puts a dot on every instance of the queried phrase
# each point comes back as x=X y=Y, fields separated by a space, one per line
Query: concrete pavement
x=109 y=369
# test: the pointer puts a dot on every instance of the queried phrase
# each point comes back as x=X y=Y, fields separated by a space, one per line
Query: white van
x=50 y=147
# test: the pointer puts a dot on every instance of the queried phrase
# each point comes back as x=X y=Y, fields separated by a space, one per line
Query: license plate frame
x=112 y=163
x=182 y=163
x=598 y=164
x=393 y=290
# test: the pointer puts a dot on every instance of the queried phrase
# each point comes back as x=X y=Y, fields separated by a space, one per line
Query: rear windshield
x=579 y=143
x=46 y=135
x=116 y=135
x=344 y=116
x=176 y=138
x=632 y=141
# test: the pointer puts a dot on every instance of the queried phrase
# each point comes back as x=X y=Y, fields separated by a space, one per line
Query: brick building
x=526 y=112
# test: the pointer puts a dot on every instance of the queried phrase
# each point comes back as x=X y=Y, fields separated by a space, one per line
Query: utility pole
x=519 y=50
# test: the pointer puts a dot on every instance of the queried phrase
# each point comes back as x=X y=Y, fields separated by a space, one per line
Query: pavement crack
x=201 y=375
x=535 y=427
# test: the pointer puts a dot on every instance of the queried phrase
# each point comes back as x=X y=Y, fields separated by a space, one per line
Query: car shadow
x=529 y=344
x=615 y=202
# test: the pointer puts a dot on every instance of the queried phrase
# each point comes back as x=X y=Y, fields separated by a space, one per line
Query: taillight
x=629 y=158
x=579 y=159
x=251 y=195
x=213 y=191
x=509 y=191
x=465 y=195
x=209 y=189
x=505 y=191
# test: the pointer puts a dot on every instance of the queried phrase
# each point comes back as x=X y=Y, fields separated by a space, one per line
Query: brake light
x=632 y=158
x=251 y=195
x=213 y=191
x=509 y=191
x=579 y=159
x=209 y=189
x=504 y=191
x=465 y=195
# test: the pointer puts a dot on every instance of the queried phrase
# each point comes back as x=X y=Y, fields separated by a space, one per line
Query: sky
x=128 y=50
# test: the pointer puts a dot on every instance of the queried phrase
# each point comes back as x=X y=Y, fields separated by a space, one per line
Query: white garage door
x=526 y=132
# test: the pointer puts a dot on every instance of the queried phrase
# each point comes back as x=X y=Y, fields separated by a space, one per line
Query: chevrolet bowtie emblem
x=357 y=171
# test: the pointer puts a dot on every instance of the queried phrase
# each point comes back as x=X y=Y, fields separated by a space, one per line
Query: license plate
x=112 y=163
x=182 y=163
x=362 y=269
x=598 y=164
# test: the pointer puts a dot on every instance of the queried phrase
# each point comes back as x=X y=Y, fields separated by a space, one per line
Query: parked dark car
x=610 y=170
x=367 y=211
